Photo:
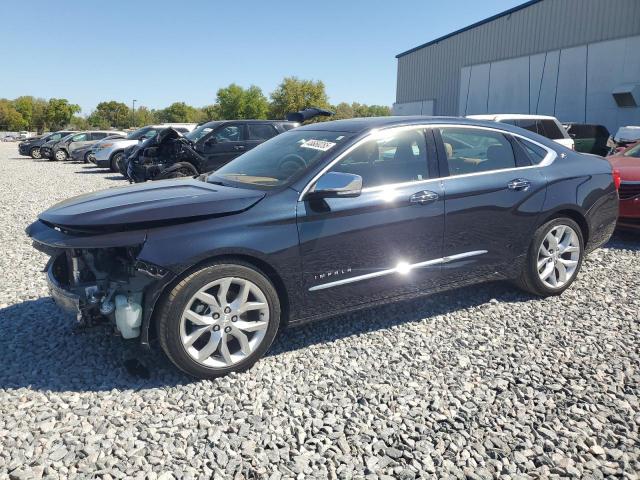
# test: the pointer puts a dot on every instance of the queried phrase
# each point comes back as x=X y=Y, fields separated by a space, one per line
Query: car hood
x=629 y=167
x=149 y=204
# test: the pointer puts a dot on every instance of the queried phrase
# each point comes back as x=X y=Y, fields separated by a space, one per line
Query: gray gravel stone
x=485 y=382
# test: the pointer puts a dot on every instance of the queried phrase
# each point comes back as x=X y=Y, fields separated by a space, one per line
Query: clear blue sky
x=159 y=52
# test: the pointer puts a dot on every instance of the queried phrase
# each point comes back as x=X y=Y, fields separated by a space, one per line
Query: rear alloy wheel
x=35 y=153
x=60 y=155
x=554 y=259
x=115 y=162
x=218 y=320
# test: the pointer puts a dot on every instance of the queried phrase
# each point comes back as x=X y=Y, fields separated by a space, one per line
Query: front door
x=385 y=242
x=493 y=197
x=223 y=145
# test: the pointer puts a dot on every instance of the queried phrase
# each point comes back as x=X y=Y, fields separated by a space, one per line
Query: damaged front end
x=101 y=283
x=167 y=155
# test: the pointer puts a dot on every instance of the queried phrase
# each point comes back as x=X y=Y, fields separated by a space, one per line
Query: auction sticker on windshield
x=322 y=145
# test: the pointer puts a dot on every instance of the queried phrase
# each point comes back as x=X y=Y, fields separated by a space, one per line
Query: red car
x=627 y=164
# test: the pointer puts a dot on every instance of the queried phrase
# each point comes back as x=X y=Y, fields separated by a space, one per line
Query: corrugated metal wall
x=433 y=72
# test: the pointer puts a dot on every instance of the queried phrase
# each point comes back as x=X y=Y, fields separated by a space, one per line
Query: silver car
x=65 y=148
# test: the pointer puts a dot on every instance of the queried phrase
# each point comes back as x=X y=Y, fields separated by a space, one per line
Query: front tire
x=35 y=153
x=115 y=161
x=60 y=155
x=554 y=258
x=219 y=319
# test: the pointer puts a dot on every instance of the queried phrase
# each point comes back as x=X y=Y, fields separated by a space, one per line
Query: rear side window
x=471 y=150
x=261 y=131
x=550 y=129
x=536 y=154
x=98 y=135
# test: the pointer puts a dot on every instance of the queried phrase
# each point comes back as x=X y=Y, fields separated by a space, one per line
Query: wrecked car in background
x=207 y=148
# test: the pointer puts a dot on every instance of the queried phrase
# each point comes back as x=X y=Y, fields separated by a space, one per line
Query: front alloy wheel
x=554 y=258
x=61 y=155
x=35 y=153
x=218 y=320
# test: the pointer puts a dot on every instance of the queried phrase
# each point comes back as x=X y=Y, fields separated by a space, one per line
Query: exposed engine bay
x=167 y=155
x=102 y=284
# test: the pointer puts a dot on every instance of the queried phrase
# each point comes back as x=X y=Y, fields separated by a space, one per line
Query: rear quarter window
x=535 y=153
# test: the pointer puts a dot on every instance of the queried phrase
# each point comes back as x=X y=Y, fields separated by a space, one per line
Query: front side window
x=98 y=135
x=394 y=158
x=472 y=150
x=81 y=137
x=261 y=131
x=278 y=161
x=229 y=133
x=55 y=137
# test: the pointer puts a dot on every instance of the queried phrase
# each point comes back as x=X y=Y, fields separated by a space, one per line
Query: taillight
x=616 y=178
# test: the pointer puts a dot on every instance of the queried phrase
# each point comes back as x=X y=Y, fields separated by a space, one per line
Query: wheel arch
x=149 y=323
x=574 y=215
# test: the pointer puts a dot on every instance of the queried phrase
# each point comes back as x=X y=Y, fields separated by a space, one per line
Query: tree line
x=232 y=102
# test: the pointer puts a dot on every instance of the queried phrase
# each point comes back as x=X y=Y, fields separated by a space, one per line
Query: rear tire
x=554 y=258
x=219 y=319
x=35 y=153
x=115 y=162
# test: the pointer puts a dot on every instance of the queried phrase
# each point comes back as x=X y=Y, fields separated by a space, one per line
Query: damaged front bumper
x=95 y=279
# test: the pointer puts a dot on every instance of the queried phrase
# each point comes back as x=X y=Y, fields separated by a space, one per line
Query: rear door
x=493 y=196
x=387 y=241
x=223 y=145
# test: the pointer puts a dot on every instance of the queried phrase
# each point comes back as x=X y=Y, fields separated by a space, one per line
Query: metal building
x=578 y=60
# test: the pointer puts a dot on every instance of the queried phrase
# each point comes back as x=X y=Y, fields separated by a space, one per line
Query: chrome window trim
x=389 y=271
x=379 y=132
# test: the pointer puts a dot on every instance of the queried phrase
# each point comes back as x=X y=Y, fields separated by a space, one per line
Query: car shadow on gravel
x=625 y=240
x=40 y=348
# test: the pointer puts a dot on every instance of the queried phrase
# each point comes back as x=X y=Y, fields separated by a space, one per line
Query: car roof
x=514 y=116
x=357 y=125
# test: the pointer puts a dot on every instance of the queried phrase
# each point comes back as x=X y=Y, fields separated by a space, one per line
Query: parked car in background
x=325 y=219
x=206 y=148
x=544 y=125
x=589 y=138
x=624 y=137
x=83 y=153
x=109 y=154
x=47 y=148
x=31 y=146
x=627 y=164
x=62 y=150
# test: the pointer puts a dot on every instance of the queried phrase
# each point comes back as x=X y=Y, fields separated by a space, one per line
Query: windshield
x=141 y=132
x=201 y=131
x=633 y=152
x=276 y=161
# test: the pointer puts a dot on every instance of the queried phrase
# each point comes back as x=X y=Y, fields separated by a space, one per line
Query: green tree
x=209 y=113
x=79 y=123
x=144 y=116
x=111 y=114
x=178 y=112
x=59 y=113
x=10 y=118
x=342 y=110
x=294 y=94
x=361 y=110
x=235 y=102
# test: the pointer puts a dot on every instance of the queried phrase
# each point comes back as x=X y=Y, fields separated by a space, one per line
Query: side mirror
x=336 y=185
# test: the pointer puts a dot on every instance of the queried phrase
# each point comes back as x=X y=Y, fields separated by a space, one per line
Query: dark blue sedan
x=324 y=219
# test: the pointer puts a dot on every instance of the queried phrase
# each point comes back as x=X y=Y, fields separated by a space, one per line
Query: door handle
x=519 y=184
x=239 y=147
x=424 y=197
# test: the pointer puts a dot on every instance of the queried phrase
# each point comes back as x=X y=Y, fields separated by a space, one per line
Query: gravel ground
x=483 y=383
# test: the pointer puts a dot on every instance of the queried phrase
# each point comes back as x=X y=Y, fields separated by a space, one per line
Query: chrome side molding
x=401 y=268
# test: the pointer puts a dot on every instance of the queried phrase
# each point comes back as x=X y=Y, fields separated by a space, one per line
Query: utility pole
x=133 y=113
